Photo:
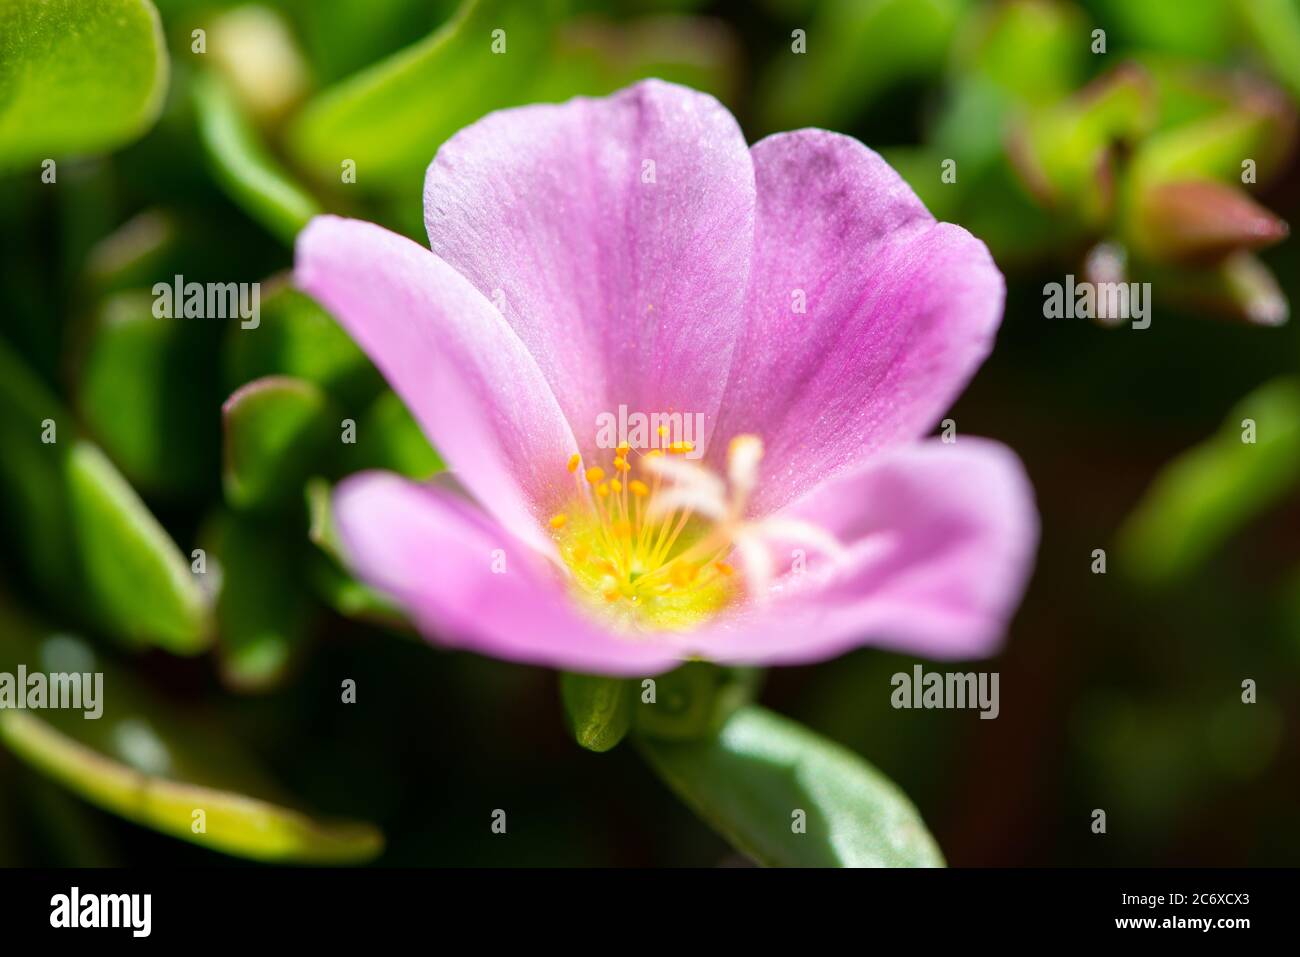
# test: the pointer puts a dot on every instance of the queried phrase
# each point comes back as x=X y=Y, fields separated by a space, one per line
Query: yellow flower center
x=647 y=541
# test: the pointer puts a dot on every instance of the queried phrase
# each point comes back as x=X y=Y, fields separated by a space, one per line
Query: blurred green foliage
x=177 y=534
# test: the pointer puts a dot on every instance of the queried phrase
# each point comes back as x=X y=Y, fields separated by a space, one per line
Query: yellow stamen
x=648 y=567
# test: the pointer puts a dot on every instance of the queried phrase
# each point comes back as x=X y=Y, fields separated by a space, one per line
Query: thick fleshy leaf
x=595 y=56
x=135 y=367
x=866 y=318
x=1029 y=52
x=296 y=337
x=326 y=573
x=77 y=77
x=135 y=253
x=853 y=51
x=1193 y=28
x=264 y=608
x=389 y=438
x=33 y=493
x=1065 y=155
x=598 y=709
x=1212 y=490
x=138 y=579
x=1200 y=220
x=1274 y=26
x=764 y=776
x=276 y=428
x=342 y=36
x=644 y=313
x=1261 y=126
x=244 y=166
x=694 y=701
x=150 y=763
x=390 y=119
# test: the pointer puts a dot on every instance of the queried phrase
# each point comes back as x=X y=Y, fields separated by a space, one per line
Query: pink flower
x=794 y=299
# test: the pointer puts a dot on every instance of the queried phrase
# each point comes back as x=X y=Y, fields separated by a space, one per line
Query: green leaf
x=856 y=49
x=264 y=609
x=244 y=167
x=332 y=583
x=695 y=700
x=750 y=782
x=149 y=762
x=1274 y=27
x=1035 y=53
x=1209 y=492
x=343 y=36
x=33 y=494
x=137 y=576
x=391 y=119
x=1193 y=28
x=598 y=709
x=77 y=516
x=388 y=437
x=77 y=77
x=296 y=337
x=594 y=56
x=135 y=368
x=134 y=253
x=276 y=429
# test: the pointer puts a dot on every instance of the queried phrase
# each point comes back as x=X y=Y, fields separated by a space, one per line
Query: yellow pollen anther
x=648 y=551
x=683 y=574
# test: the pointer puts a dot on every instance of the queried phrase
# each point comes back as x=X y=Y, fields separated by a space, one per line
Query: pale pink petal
x=616 y=236
x=940 y=539
x=468 y=583
x=457 y=365
x=899 y=312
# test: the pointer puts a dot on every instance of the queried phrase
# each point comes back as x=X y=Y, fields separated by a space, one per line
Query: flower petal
x=616 y=234
x=900 y=311
x=940 y=542
x=467 y=582
x=459 y=368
